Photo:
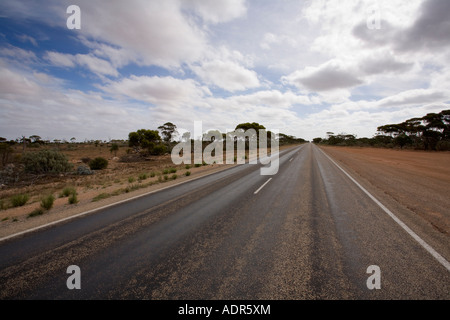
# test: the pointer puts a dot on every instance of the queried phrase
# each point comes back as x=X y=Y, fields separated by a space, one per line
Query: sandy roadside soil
x=418 y=180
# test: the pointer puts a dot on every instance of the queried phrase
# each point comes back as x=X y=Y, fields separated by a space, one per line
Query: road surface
x=308 y=232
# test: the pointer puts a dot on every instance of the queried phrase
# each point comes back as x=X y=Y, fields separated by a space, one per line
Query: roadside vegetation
x=430 y=132
x=37 y=176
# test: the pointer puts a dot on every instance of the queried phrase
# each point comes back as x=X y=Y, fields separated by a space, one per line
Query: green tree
x=114 y=148
x=402 y=140
x=35 y=139
x=168 y=131
x=146 y=139
x=247 y=125
x=317 y=140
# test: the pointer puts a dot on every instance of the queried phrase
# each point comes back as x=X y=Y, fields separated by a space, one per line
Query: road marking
x=259 y=189
x=425 y=245
x=291 y=159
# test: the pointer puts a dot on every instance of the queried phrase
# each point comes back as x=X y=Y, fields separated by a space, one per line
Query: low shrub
x=158 y=150
x=98 y=163
x=84 y=171
x=67 y=191
x=47 y=202
x=19 y=200
x=46 y=161
x=73 y=198
x=101 y=196
x=36 y=212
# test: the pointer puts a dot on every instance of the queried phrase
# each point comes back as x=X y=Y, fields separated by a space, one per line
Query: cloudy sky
x=301 y=67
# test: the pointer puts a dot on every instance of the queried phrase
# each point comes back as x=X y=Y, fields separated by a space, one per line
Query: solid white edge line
x=259 y=189
x=425 y=245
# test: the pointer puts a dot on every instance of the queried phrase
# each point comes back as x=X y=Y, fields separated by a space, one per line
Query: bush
x=19 y=200
x=36 y=212
x=47 y=202
x=142 y=176
x=173 y=177
x=101 y=196
x=46 y=161
x=172 y=170
x=443 y=145
x=73 y=198
x=67 y=191
x=187 y=173
x=98 y=163
x=83 y=170
x=158 y=150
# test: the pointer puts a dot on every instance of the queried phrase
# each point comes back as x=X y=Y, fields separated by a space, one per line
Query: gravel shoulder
x=416 y=180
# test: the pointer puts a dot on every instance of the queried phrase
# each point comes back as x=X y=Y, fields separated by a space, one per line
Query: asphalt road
x=308 y=232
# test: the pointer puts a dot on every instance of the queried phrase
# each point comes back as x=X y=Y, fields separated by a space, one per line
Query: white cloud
x=270 y=40
x=416 y=97
x=27 y=38
x=314 y=58
x=60 y=59
x=272 y=98
x=160 y=91
x=38 y=104
x=18 y=55
x=227 y=75
x=217 y=11
x=96 y=65
x=156 y=32
x=328 y=76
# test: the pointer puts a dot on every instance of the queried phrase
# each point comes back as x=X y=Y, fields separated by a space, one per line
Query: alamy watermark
x=374 y=280
x=74 y=20
x=74 y=280
x=258 y=144
x=373 y=21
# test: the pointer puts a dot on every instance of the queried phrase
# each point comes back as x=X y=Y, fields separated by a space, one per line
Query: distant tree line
x=150 y=142
x=430 y=132
x=143 y=141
